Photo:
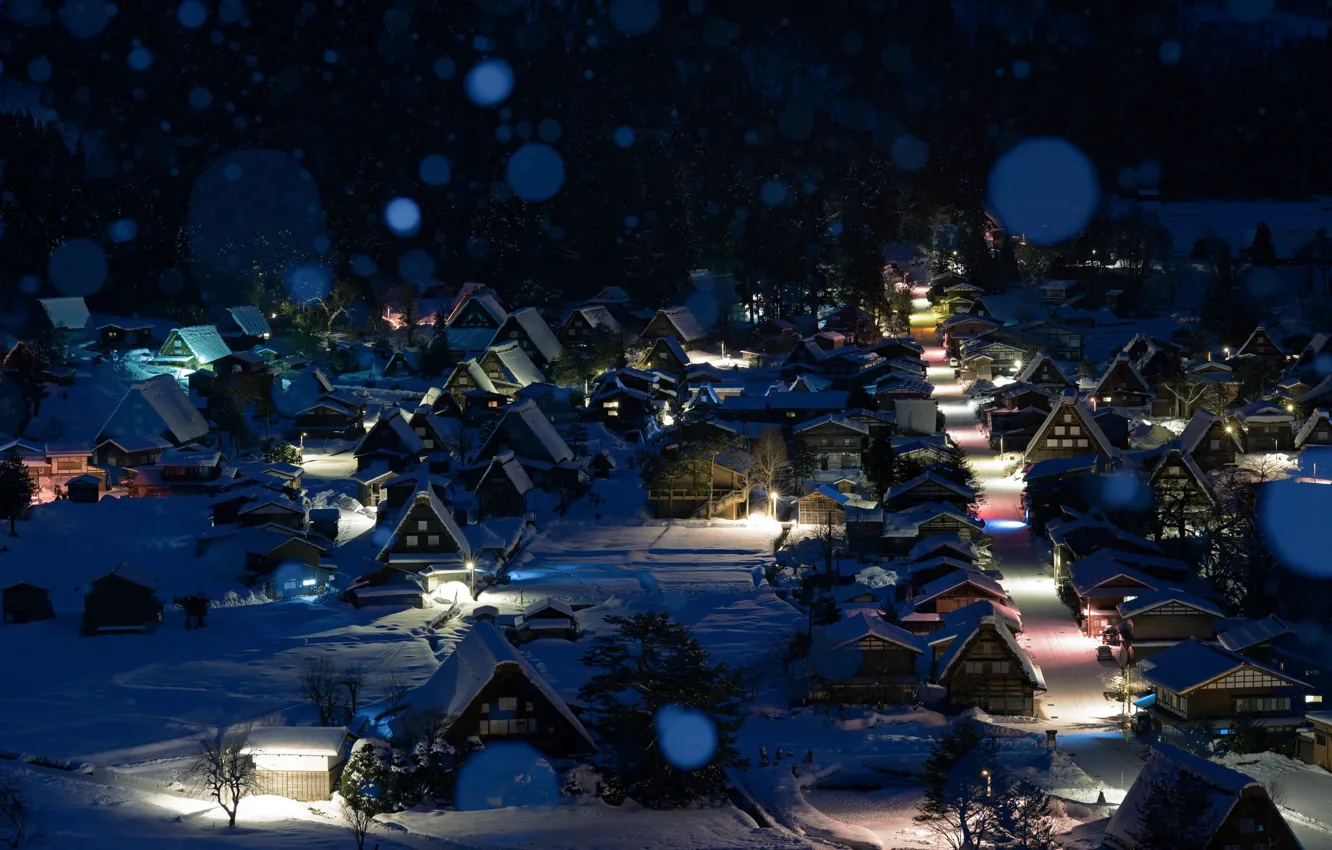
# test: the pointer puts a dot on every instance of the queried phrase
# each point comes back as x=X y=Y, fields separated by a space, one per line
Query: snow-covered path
x=1075 y=702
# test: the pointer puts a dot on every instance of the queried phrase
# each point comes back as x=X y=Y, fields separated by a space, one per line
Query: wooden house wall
x=816 y=508
x=25 y=603
x=1172 y=622
x=304 y=786
x=496 y=496
x=1066 y=437
x=113 y=601
x=411 y=528
x=989 y=676
x=929 y=491
x=553 y=736
x=1269 y=437
x=473 y=315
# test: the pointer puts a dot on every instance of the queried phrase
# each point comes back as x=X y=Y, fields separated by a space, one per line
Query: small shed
x=303 y=763
x=84 y=488
x=549 y=618
x=123 y=600
x=25 y=602
x=324 y=521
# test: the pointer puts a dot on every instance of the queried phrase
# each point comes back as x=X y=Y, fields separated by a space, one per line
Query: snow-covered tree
x=16 y=488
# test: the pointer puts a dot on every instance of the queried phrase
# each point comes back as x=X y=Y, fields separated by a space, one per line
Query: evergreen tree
x=16 y=488
x=804 y=463
x=1262 y=252
x=649 y=664
x=956 y=467
x=365 y=777
x=1172 y=812
x=959 y=776
x=881 y=465
x=1023 y=818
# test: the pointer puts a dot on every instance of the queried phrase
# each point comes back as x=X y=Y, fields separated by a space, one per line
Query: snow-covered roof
x=469 y=340
x=551 y=604
x=1249 y=633
x=478 y=375
x=861 y=625
x=684 y=322
x=65 y=313
x=1028 y=373
x=969 y=629
x=179 y=416
x=190 y=456
x=205 y=342
x=1166 y=765
x=672 y=346
x=426 y=496
x=489 y=302
x=395 y=420
x=929 y=476
x=1122 y=363
x=1253 y=335
x=526 y=414
x=956 y=579
x=1191 y=465
x=123 y=323
x=942 y=542
x=132 y=574
x=457 y=683
x=1262 y=412
x=1057 y=466
x=906 y=523
x=538 y=332
x=1197 y=429
x=251 y=320
x=835 y=418
x=298 y=740
x=518 y=367
x=1069 y=400
x=1320 y=414
x=1192 y=663
x=1157 y=598
x=599 y=318
x=506 y=463
x=1090 y=573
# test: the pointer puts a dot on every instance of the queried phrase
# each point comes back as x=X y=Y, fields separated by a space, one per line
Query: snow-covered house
x=25 y=602
x=903 y=530
x=115 y=333
x=863 y=659
x=929 y=486
x=1316 y=430
x=62 y=320
x=586 y=324
x=425 y=534
x=547 y=618
x=330 y=417
x=493 y=692
x=153 y=416
x=1210 y=440
x=952 y=591
x=466 y=377
x=1042 y=373
x=667 y=355
x=837 y=442
x=1122 y=385
x=509 y=368
x=826 y=503
x=504 y=488
x=1265 y=426
x=1159 y=619
x=303 y=763
x=1238 y=812
x=538 y=446
x=533 y=336
x=1069 y=431
x=1260 y=344
x=192 y=348
x=1197 y=679
x=245 y=326
x=391 y=440
x=473 y=323
x=679 y=323
x=976 y=658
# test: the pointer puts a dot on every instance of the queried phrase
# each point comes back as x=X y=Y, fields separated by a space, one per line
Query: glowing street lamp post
x=471 y=574
x=773 y=497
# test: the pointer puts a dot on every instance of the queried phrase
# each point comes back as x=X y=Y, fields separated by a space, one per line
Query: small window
x=485 y=708
x=529 y=707
x=420 y=432
x=432 y=540
x=508 y=704
x=413 y=541
x=422 y=524
x=429 y=444
x=1308 y=698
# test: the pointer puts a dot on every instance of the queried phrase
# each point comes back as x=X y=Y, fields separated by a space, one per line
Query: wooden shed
x=84 y=488
x=301 y=762
x=25 y=602
x=123 y=600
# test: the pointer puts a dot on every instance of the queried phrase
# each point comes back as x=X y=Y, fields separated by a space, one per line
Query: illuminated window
x=1313 y=698
x=412 y=541
x=508 y=704
x=422 y=525
x=309 y=582
x=432 y=540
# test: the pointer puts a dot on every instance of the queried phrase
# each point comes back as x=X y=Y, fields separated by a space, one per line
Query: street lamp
x=773 y=497
x=986 y=774
x=471 y=573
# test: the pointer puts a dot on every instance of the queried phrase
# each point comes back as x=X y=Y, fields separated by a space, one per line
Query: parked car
x=1105 y=653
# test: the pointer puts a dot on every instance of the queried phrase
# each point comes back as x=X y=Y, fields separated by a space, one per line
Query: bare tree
x=16 y=816
x=1194 y=392
x=395 y=692
x=357 y=820
x=321 y=685
x=353 y=678
x=769 y=462
x=224 y=769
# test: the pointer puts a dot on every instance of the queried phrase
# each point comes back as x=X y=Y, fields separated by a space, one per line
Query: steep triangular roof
x=525 y=416
x=929 y=476
x=597 y=317
x=955 y=580
x=672 y=347
x=834 y=419
x=65 y=313
x=460 y=680
x=180 y=418
x=1157 y=598
x=684 y=322
x=517 y=367
x=250 y=320
x=1186 y=459
x=487 y=300
x=862 y=625
x=538 y=332
x=965 y=631
x=473 y=368
x=1168 y=765
x=391 y=419
x=1320 y=414
x=1068 y=402
x=204 y=341
x=506 y=465
x=425 y=499
x=1129 y=376
x=1194 y=432
x=1258 y=336
x=1042 y=370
